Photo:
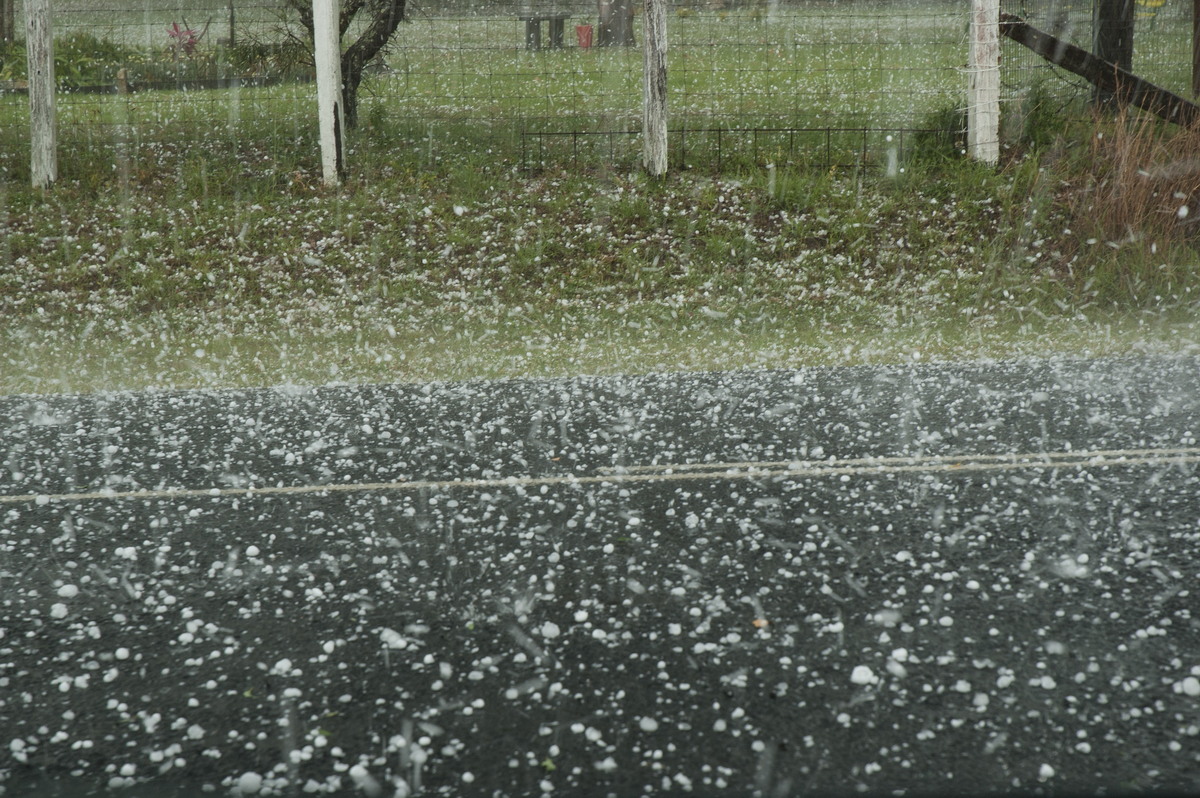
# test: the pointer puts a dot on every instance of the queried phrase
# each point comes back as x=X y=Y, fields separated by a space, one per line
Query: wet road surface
x=972 y=578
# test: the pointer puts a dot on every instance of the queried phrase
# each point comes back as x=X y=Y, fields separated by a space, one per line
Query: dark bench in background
x=533 y=27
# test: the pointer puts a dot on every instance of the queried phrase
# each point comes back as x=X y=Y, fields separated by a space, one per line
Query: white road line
x=1034 y=457
x=880 y=466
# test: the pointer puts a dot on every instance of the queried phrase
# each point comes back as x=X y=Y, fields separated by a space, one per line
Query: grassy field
x=466 y=82
x=815 y=65
x=459 y=85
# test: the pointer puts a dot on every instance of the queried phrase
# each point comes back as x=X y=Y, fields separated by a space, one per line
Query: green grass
x=189 y=242
x=467 y=82
x=812 y=66
x=239 y=271
x=529 y=342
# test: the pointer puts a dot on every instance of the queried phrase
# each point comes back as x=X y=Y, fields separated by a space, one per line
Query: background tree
x=8 y=20
x=382 y=17
x=616 y=23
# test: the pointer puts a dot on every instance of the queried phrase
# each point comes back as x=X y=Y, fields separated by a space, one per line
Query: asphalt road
x=932 y=579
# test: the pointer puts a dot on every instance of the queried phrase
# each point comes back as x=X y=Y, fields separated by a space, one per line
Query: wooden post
x=43 y=121
x=1123 y=87
x=1196 y=48
x=1112 y=39
x=654 y=89
x=327 y=51
x=983 y=82
x=232 y=26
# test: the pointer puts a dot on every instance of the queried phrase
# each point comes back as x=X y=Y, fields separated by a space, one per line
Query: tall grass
x=1133 y=192
x=1143 y=181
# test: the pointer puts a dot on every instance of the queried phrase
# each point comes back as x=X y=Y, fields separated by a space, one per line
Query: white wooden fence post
x=327 y=51
x=654 y=89
x=983 y=82
x=43 y=121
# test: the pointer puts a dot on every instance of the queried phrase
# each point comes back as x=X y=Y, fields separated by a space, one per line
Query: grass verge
x=242 y=271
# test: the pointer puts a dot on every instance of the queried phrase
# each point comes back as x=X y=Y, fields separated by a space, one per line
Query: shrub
x=1037 y=119
x=942 y=133
x=82 y=59
x=12 y=61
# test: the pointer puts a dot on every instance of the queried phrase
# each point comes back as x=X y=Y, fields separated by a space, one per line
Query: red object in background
x=184 y=38
x=584 y=34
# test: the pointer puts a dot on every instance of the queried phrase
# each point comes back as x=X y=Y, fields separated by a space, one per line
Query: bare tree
x=382 y=18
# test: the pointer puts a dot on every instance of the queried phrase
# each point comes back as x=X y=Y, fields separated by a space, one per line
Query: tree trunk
x=8 y=21
x=1123 y=87
x=354 y=61
x=616 y=23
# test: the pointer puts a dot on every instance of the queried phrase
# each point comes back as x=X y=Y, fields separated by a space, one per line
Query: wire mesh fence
x=826 y=148
x=825 y=82
x=1161 y=45
x=741 y=70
